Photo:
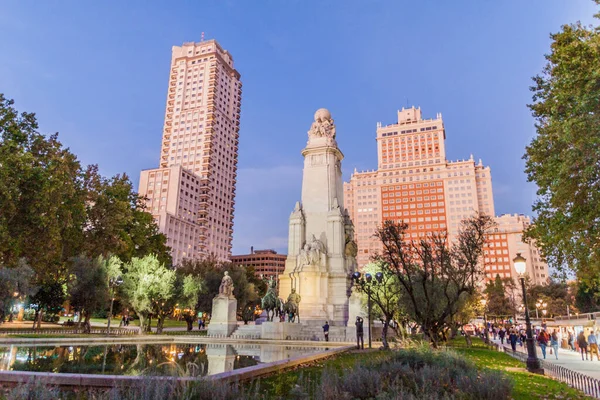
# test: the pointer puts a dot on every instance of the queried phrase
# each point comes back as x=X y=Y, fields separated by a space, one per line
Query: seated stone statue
x=226 y=288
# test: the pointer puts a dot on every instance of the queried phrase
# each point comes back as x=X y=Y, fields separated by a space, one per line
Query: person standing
x=512 y=338
x=326 y=331
x=554 y=343
x=582 y=343
x=542 y=339
x=502 y=334
x=593 y=343
x=360 y=340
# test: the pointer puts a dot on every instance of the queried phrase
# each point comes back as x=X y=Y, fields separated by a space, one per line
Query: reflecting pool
x=144 y=359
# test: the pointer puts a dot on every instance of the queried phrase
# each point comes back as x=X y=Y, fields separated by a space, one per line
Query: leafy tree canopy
x=564 y=157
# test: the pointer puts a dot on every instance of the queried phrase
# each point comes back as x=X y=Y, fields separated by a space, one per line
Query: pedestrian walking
x=583 y=344
x=543 y=339
x=570 y=341
x=512 y=338
x=360 y=340
x=593 y=343
x=554 y=343
x=502 y=334
x=326 y=331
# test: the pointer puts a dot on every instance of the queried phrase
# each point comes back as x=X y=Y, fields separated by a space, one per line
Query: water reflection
x=144 y=359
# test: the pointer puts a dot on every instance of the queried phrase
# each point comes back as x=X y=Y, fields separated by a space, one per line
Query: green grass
x=527 y=385
x=279 y=385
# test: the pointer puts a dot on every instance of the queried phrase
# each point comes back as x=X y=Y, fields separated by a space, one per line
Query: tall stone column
x=317 y=266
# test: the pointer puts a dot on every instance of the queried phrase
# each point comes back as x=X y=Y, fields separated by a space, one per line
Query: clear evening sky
x=97 y=72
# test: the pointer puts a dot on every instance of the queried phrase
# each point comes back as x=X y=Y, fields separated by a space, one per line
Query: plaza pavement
x=566 y=358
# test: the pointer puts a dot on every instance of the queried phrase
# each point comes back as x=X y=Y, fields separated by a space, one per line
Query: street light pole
x=533 y=363
x=366 y=285
x=369 y=312
x=485 y=327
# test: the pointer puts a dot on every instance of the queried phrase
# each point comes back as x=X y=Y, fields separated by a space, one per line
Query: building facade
x=266 y=263
x=200 y=140
x=505 y=242
x=415 y=183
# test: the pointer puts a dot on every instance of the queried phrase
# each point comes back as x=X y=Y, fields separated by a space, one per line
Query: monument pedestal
x=223 y=320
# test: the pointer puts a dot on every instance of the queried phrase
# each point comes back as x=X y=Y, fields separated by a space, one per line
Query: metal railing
x=584 y=316
x=588 y=385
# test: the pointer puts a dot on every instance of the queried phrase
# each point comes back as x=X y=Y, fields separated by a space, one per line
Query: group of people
x=585 y=344
x=517 y=335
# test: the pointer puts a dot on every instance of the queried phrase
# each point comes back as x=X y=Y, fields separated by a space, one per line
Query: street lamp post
x=366 y=284
x=533 y=363
x=485 y=327
x=112 y=283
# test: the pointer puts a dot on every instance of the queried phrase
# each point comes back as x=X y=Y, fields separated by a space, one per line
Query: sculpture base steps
x=247 y=332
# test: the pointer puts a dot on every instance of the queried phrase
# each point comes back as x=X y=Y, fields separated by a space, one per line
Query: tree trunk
x=189 y=321
x=142 y=328
x=159 y=324
x=86 y=323
x=384 y=333
x=468 y=339
x=35 y=317
x=453 y=331
x=39 y=320
x=148 y=327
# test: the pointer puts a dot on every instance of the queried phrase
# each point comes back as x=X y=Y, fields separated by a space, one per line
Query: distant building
x=266 y=263
x=503 y=245
x=192 y=193
x=415 y=183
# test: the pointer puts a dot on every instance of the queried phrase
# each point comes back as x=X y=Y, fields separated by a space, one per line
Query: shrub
x=414 y=373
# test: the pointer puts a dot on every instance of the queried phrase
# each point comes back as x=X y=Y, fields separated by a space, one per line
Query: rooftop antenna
x=202 y=37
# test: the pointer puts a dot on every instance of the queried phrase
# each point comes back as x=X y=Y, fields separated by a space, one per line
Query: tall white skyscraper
x=192 y=193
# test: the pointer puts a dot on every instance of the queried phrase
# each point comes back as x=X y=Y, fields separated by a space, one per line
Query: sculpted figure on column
x=351 y=248
x=316 y=248
x=323 y=125
x=226 y=288
x=304 y=256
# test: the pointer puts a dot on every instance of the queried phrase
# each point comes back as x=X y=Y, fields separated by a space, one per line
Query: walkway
x=566 y=358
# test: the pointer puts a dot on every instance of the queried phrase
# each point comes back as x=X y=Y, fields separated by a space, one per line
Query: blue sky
x=97 y=72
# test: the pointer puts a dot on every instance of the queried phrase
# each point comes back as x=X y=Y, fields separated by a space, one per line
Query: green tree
x=49 y=299
x=247 y=287
x=149 y=287
x=88 y=287
x=117 y=222
x=563 y=158
x=587 y=299
x=385 y=295
x=556 y=295
x=436 y=279
x=15 y=286
x=42 y=197
x=498 y=303
x=192 y=286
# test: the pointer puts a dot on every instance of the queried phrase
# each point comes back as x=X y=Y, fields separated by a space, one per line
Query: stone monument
x=321 y=247
x=223 y=320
